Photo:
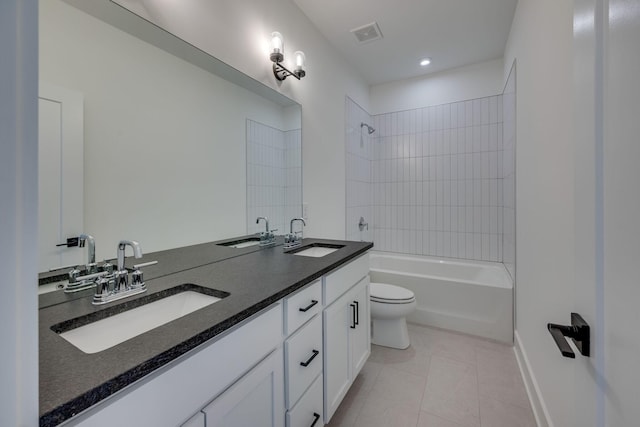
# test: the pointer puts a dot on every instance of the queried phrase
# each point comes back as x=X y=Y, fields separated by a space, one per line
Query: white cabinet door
x=360 y=337
x=257 y=399
x=336 y=321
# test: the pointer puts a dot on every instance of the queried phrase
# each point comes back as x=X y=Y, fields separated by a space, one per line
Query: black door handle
x=313 y=302
x=316 y=417
x=71 y=242
x=353 y=316
x=357 y=312
x=578 y=331
x=305 y=364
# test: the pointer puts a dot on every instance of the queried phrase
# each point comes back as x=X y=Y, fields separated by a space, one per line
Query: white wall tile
x=447 y=171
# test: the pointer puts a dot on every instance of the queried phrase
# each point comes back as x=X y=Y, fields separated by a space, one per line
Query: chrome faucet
x=114 y=286
x=92 y=267
x=292 y=239
x=266 y=222
x=121 y=274
x=76 y=281
x=267 y=238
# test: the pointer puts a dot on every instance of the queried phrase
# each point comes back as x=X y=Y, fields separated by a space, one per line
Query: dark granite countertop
x=72 y=381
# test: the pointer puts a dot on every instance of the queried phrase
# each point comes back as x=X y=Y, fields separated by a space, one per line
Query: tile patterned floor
x=444 y=379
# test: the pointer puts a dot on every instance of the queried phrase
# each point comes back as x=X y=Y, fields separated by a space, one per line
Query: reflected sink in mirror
x=244 y=243
x=108 y=329
x=316 y=250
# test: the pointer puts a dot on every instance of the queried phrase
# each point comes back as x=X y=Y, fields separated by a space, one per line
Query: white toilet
x=389 y=307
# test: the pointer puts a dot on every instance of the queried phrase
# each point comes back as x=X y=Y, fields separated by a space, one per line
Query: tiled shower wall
x=437 y=180
x=293 y=178
x=509 y=175
x=358 y=172
x=274 y=176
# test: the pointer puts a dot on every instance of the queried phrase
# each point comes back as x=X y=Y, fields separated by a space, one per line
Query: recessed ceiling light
x=425 y=62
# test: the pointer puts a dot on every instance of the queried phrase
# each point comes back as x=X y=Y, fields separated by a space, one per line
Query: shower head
x=369 y=128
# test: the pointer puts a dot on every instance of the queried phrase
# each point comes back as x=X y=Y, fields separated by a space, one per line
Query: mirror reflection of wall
x=164 y=140
x=274 y=176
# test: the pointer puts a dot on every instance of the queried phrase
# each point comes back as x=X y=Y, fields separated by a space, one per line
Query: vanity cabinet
x=174 y=394
x=290 y=365
x=346 y=323
x=254 y=400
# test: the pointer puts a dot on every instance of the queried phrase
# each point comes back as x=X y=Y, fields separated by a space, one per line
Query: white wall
x=238 y=33
x=162 y=136
x=459 y=84
x=18 y=212
x=541 y=42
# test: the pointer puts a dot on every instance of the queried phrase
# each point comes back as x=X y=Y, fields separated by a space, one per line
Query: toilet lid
x=386 y=292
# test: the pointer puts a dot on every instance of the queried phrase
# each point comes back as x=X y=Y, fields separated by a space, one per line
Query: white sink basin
x=316 y=251
x=106 y=333
x=245 y=244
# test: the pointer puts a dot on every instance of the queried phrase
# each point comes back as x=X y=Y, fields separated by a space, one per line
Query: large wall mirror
x=170 y=148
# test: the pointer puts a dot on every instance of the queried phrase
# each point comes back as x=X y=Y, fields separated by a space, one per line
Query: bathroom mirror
x=165 y=132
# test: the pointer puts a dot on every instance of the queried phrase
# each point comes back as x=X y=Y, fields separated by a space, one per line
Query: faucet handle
x=121 y=281
x=137 y=279
x=107 y=266
x=74 y=274
x=144 y=264
x=91 y=267
x=102 y=286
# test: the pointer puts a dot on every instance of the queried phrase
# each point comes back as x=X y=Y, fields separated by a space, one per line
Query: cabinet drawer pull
x=353 y=316
x=304 y=310
x=357 y=312
x=316 y=417
x=305 y=364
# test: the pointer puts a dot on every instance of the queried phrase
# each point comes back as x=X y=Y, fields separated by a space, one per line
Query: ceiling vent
x=367 y=33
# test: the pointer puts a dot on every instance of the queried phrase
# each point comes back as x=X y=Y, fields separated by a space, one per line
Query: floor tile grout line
x=475 y=350
x=424 y=391
x=367 y=393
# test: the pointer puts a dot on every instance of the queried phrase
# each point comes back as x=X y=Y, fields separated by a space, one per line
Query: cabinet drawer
x=341 y=280
x=303 y=359
x=302 y=306
x=308 y=411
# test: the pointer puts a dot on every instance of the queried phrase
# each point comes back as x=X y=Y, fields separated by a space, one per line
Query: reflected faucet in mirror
x=92 y=267
x=267 y=237
x=78 y=282
x=294 y=239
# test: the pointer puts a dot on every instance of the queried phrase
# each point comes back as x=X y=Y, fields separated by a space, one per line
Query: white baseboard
x=533 y=391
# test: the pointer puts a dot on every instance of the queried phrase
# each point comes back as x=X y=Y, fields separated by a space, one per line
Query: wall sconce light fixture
x=277 y=57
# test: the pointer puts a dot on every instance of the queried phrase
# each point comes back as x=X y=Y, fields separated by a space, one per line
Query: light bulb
x=300 y=62
x=425 y=62
x=277 y=47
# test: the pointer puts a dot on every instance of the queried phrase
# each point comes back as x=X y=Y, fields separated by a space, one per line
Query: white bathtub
x=474 y=297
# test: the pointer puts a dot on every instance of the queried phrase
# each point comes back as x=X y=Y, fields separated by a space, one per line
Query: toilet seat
x=390 y=294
